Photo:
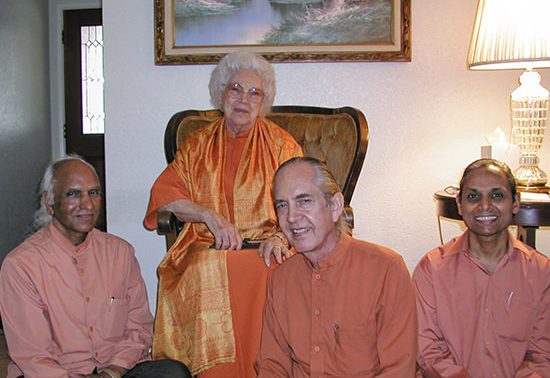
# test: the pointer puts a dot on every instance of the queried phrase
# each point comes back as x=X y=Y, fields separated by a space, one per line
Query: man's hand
x=274 y=246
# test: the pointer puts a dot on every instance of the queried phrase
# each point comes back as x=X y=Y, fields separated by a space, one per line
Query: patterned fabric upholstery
x=329 y=138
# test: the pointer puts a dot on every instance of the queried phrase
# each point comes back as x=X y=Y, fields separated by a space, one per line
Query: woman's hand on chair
x=225 y=234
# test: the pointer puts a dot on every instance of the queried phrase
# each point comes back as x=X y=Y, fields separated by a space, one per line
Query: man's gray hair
x=238 y=61
x=42 y=217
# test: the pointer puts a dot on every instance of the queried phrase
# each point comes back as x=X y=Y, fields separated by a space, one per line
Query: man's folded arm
x=137 y=338
x=273 y=358
x=434 y=357
x=26 y=327
x=396 y=341
x=537 y=358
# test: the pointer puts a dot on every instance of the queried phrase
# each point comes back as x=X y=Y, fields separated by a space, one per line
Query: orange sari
x=197 y=319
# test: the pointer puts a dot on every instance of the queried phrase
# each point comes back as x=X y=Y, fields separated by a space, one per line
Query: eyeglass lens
x=235 y=90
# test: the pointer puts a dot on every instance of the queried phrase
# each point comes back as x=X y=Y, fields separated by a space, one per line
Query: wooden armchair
x=338 y=137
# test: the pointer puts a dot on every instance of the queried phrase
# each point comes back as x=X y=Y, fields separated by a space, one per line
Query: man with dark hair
x=72 y=298
x=340 y=307
x=483 y=298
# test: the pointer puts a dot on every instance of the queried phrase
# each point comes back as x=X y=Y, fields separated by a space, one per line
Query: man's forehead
x=294 y=196
x=486 y=173
x=295 y=172
x=76 y=174
x=484 y=188
x=294 y=187
x=472 y=186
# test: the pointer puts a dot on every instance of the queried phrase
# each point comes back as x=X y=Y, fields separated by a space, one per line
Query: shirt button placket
x=316 y=341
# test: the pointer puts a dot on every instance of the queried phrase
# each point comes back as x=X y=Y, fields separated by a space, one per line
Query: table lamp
x=515 y=34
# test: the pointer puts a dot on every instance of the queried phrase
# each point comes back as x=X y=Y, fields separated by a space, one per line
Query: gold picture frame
x=395 y=48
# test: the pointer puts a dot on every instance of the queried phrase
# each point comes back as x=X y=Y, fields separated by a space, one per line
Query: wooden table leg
x=527 y=235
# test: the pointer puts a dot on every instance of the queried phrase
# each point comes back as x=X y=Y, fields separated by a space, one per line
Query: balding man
x=72 y=299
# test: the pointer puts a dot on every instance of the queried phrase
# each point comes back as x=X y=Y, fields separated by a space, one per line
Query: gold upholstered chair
x=336 y=136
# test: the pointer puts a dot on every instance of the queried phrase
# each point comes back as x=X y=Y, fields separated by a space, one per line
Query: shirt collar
x=460 y=244
x=65 y=243
x=336 y=255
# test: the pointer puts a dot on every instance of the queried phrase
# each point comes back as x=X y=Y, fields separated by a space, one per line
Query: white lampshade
x=511 y=34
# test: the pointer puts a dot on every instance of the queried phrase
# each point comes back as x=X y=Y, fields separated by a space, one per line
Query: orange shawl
x=193 y=322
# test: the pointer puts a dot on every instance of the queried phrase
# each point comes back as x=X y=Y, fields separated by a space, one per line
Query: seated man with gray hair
x=340 y=307
x=72 y=298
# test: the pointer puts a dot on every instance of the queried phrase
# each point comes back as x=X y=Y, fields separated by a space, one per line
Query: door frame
x=57 y=82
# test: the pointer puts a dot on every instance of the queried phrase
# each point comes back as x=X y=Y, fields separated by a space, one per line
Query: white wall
x=24 y=114
x=427 y=121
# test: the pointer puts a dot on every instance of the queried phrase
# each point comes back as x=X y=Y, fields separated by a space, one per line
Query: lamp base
x=529 y=177
x=533 y=189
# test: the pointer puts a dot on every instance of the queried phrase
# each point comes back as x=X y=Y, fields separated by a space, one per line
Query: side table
x=534 y=213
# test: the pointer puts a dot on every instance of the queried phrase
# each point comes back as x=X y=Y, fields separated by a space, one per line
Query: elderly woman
x=211 y=292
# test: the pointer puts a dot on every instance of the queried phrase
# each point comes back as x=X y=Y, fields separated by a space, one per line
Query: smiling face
x=305 y=216
x=76 y=202
x=242 y=108
x=487 y=204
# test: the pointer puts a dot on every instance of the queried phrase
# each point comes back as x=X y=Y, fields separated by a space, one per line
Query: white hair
x=238 y=61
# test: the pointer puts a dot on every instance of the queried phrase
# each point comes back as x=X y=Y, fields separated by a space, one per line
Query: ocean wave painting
x=282 y=22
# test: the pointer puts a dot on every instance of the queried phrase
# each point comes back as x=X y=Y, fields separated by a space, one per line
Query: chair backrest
x=336 y=136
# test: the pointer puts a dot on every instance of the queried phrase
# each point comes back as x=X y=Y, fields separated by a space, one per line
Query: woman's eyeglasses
x=236 y=91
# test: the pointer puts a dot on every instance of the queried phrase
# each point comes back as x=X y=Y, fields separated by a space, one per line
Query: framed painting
x=203 y=31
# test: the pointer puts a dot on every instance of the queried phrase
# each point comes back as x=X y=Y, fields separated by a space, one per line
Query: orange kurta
x=476 y=323
x=354 y=316
x=197 y=321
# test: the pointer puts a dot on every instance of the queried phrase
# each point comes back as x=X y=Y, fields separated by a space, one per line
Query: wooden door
x=84 y=115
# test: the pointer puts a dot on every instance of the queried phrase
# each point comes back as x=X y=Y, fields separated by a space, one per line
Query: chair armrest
x=167 y=223
x=169 y=226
